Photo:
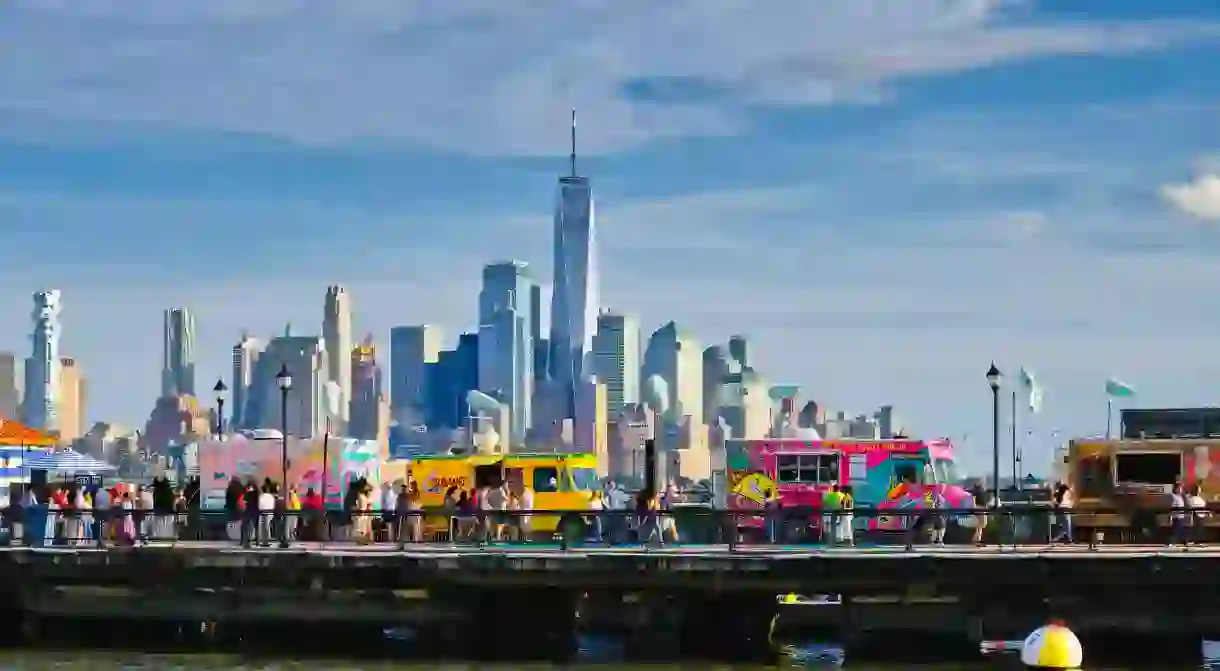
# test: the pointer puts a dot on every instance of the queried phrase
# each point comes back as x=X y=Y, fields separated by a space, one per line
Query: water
x=116 y=661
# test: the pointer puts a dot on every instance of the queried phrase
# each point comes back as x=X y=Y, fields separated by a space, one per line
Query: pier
x=716 y=597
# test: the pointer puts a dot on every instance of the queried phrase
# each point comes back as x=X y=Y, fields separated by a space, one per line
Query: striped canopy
x=66 y=461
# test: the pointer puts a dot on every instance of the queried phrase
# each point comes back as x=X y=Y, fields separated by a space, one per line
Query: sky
x=883 y=195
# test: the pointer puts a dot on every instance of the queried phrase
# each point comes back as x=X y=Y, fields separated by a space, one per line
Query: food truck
x=897 y=473
x=1116 y=481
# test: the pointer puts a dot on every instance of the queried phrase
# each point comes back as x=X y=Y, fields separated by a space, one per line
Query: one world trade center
x=574 y=303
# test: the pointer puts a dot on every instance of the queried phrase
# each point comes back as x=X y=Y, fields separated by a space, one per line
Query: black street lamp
x=994 y=377
x=220 y=390
x=283 y=380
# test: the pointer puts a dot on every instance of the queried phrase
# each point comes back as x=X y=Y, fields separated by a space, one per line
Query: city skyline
x=883 y=200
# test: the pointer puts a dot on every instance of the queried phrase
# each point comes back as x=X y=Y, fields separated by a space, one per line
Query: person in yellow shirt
x=293 y=505
x=831 y=502
x=846 y=529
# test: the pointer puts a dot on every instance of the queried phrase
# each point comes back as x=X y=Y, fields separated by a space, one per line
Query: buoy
x=1053 y=646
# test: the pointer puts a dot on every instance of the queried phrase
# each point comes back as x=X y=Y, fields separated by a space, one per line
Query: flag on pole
x=1119 y=389
x=1032 y=388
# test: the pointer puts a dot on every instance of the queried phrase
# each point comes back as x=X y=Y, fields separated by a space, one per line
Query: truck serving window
x=1158 y=468
x=807 y=469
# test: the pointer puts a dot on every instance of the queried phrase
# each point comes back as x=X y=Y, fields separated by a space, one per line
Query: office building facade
x=337 y=336
x=245 y=357
x=616 y=356
x=178 y=353
x=413 y=350
x=71 y=404
x=364 y=412
x=506 y=350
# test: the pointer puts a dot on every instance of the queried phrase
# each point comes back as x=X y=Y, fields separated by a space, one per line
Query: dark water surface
x=105 y=661
x=115 y=661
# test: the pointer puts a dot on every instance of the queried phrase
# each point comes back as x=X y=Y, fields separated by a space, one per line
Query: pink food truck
x=883 y=474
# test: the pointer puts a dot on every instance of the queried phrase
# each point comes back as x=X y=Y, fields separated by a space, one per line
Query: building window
x=807 y=469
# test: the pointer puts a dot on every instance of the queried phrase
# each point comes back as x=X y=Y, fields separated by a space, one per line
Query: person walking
x=1062 y=504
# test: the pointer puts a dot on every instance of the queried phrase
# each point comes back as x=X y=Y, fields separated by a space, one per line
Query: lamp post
x=220 y=390
x=994 y=377
x=283 y=380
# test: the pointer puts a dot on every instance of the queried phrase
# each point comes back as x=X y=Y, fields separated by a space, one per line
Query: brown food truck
x=1131 y=477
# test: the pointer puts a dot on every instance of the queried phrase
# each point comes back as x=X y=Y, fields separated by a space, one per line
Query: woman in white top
x=1177 y=517
x=83 y=521
x=266 y=514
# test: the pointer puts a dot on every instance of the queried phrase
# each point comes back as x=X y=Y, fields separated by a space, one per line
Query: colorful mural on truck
x=256 y=458
x=883 y=474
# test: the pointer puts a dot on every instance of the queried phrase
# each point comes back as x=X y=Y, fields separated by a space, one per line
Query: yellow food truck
x=561 y=482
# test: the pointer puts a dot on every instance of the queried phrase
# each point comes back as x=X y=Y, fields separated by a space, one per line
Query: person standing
x=846 y=528
x=831 y=503
x=1177 y=517
x=525 y=520
x=101 y=515
x=389 y=503
x=249 y=515
x=1063 y=513
x=1198 y=515
x=939 y=521
x=127 y=525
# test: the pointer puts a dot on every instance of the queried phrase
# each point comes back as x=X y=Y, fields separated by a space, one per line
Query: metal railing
x=1012 y=526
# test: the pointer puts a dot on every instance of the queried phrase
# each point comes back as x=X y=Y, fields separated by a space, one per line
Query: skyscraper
x=364 y=414
x=575 y=297
x=542 y=349
x=616 y=354
x=716 y=371
x=454 y=374
x=337 y=336
x=42 y=367
x=178 y=354
x=412 y=350
x=506 y=350
x=676 y=357
x=10 y=385
x=245 y=357
x=70 y=407
x=305 y=358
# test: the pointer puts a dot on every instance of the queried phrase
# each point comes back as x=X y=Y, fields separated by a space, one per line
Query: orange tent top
x=16 y=433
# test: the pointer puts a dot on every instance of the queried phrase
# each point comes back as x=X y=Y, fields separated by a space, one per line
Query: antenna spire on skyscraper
x=572 y=157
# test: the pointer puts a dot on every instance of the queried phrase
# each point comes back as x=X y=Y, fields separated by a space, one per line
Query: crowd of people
x=83 y=514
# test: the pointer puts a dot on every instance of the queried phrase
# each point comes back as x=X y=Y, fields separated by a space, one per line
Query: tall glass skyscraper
x=178 y=353
x=575 y=298
x=506 y=346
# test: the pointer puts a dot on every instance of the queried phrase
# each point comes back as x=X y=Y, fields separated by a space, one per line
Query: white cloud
x=496 y=77
x=1199 y=198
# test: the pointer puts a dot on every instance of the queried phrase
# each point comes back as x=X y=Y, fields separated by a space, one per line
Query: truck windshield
x=946 y=472
x=585 y=479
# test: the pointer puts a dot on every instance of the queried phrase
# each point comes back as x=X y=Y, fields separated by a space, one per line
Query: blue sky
x=884 y=195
